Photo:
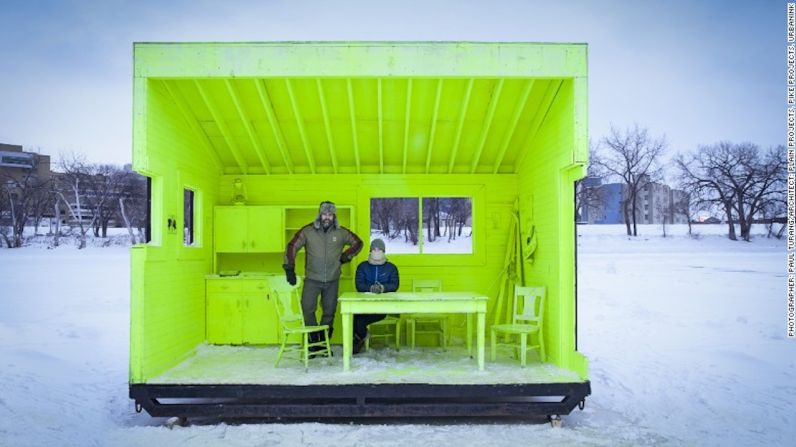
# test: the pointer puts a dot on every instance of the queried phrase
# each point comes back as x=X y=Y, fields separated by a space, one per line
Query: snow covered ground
x=686 y=339
x=461 y=244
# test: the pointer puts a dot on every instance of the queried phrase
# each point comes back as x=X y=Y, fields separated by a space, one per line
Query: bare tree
x=633 y=156
x=24 y=196
x=589 y=197
x=775 y=211
x=73 y=181
x=431 y=213
x=664 y=208
x=735 y=177
x=102 y=183
x=395 y=217
x=458 y=210
x=684 y=205
x=407 y=220
x=767 y=187
x=133 y=204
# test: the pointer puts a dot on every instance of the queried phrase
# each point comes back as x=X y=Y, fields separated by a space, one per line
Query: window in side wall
x=148 y=216
x=188 y=217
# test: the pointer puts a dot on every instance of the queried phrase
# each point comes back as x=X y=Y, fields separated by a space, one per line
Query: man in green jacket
x=324 y=240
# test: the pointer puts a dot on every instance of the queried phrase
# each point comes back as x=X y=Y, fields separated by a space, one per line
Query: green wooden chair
x=438 y=322
x=527 y=319
x=292 y=322
x=389 y=327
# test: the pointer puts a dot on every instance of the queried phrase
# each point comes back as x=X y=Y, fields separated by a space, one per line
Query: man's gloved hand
x=290 y=274
x=344 y=258
x=376 y=288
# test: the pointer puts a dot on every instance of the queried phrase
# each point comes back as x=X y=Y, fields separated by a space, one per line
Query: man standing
x=324 y=240
x=376 y=275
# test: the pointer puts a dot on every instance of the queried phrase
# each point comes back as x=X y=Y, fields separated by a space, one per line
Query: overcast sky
x=698 y=72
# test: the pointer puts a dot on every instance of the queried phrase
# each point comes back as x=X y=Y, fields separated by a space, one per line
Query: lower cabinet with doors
x=240 y=311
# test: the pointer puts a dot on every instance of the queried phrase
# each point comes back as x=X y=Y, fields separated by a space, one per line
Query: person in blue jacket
x=376 y=275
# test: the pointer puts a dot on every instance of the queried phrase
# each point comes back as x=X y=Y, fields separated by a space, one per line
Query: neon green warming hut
x=469 y=149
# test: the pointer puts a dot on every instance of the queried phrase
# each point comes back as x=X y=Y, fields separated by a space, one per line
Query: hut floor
x=210 y=364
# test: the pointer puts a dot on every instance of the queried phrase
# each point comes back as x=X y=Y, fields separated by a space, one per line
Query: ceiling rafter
x=193 y=123
x=513 y=124
x=353 y=121
x=433 y=124
x=222 y=126
x=538 y=119
x=268 y=107
x=327 y=127
x=406 y=120
x=248 y=125
x=460 y=127
x=490 y=115
x=300 y=124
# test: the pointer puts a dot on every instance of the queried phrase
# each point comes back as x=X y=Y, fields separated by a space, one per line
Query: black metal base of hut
x=359 y=400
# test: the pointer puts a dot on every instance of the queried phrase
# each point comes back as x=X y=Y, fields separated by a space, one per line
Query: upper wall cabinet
x=249 y=229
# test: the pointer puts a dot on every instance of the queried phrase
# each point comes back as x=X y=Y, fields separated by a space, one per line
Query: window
x=188 y=217
x=148 y=216
x=442 y=226
x=447 y=225
x=17 y=160
x=395 y=220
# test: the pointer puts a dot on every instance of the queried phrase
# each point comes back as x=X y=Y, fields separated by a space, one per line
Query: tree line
x=91 y=194
x=742 y=182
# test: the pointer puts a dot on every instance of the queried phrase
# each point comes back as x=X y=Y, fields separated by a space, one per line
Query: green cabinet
x=240 y=311
x=249 y=229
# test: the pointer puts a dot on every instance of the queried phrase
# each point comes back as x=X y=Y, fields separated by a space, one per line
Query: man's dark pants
x=309 y=302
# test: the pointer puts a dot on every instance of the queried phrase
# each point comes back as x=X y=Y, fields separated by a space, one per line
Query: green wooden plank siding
x=167 y=301
x=546 y=191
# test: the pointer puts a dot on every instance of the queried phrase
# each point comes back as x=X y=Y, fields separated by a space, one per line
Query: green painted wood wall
x=167 y=295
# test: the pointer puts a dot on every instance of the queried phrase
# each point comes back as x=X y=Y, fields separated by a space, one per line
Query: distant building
x=655 y=203
x=608 y=210
x=16 y=163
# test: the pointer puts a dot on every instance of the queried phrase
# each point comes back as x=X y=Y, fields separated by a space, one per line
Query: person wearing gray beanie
x=376 y=275
x=325 y=240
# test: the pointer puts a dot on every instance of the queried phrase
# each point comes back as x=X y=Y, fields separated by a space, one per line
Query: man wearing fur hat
x=324 y=240
x=376 y=275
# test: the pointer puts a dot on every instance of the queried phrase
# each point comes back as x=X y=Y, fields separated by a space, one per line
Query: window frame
x=187 y=191
x=475 y=192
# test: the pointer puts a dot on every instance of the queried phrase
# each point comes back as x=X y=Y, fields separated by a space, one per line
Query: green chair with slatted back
x=292 y=323
x=438 y=320
x=388 y=328
x=527 y=320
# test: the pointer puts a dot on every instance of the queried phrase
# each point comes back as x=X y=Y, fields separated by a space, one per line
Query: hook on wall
x=171 y=224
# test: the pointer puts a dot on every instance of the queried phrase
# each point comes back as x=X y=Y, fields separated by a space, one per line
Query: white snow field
x=686 y=339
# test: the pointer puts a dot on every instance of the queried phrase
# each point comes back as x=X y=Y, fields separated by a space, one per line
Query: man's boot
x=312 y=339
x=319 y=338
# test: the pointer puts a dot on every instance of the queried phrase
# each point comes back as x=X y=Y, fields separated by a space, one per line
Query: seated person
x=376 y=275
